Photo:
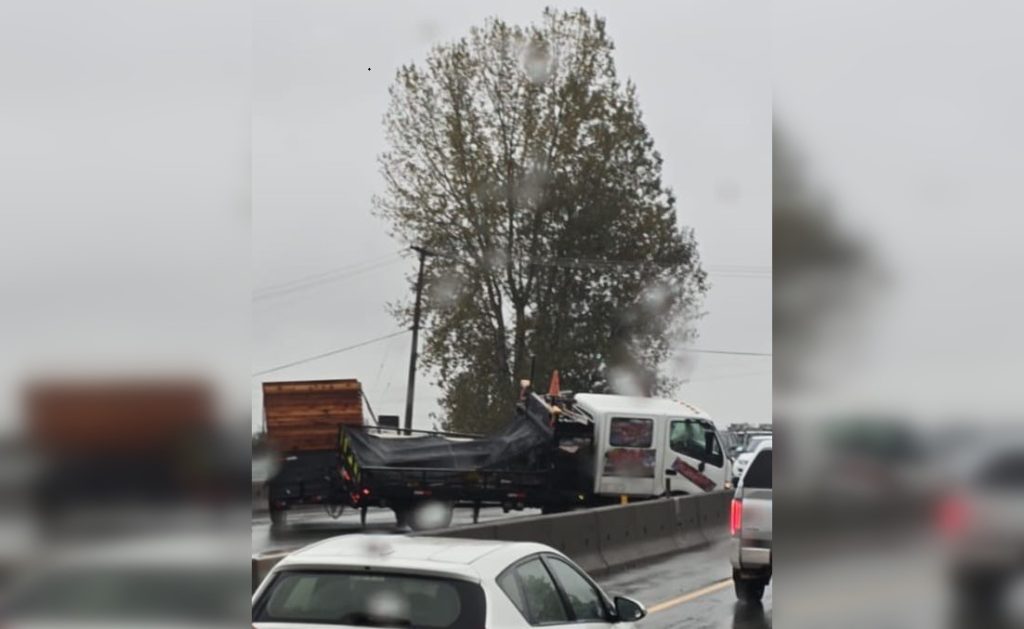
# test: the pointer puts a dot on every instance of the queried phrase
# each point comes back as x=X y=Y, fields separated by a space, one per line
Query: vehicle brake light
x=735 y=517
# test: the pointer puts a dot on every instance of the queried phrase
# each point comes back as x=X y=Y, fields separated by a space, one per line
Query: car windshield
x=365 y=599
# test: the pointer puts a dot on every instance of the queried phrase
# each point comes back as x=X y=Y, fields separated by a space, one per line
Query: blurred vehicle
x=746 y=454
x=433 y=583
x=982 y=519
x=129 y=442
x=750 y=524
x=176 y=580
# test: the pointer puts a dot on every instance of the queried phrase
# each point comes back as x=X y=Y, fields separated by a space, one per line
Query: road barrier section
x=601 y=539
x=263 y=562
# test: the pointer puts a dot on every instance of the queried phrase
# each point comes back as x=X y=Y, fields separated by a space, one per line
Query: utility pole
x=413 y=355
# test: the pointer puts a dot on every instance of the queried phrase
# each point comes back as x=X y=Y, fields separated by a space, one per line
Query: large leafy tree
x=519 y=158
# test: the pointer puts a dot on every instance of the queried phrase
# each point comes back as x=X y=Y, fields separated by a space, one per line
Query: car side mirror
x=700 y=468
x=628 y=609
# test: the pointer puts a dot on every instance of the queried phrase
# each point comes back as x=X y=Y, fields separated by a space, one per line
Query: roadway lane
x=692 y=589
x=311 y=525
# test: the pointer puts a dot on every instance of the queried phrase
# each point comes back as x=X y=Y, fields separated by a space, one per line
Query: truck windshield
x=372 y=600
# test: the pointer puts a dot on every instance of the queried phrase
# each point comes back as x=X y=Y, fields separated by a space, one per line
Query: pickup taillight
x=735 y=516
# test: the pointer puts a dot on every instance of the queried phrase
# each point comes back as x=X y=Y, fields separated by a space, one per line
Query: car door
x=695 y=461
x=550 y=592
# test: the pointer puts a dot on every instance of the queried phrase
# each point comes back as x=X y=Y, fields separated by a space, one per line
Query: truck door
x=694 y=461
x=630 y=457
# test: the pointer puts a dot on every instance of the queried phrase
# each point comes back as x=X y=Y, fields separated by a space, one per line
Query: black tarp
x=522 y=444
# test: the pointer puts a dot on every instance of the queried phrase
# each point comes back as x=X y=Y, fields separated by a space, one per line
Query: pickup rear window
x=372 y=599
x=759 y=474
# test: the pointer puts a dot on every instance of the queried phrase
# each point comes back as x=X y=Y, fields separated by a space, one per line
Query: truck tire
x=278 y=517
x=401 y=516
x=749 y=590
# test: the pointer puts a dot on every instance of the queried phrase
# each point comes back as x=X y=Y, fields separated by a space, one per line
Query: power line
x=324 y=277
x=330 y=353
x=697 y=350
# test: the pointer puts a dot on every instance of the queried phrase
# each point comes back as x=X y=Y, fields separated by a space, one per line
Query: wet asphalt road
x=691 y=590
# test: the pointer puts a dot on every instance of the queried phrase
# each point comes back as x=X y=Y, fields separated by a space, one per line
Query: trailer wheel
x=278 y=517
x=401 y=516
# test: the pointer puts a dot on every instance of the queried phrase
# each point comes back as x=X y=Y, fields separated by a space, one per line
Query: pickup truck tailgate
x=757 y=514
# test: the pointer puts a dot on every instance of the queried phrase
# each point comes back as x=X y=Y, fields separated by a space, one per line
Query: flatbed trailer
x=541 y=479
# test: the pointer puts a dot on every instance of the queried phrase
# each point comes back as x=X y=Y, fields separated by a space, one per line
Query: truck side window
x=630 y=432
x=691 y=438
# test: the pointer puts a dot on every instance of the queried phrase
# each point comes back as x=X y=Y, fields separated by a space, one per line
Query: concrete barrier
x=263 y=562
x=576 y=534
x=617 y=535
x=688 y=533
x=599 y=540
x=713 y=510
x=655 y=528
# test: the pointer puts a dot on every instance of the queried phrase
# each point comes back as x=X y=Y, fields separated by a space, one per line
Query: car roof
x=764 y=445
x=466 y=558
x=638 y=406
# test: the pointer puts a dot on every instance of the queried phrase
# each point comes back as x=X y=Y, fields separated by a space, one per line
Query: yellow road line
x=685 y=598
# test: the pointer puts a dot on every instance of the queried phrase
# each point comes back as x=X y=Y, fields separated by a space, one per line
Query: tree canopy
x=518 y=157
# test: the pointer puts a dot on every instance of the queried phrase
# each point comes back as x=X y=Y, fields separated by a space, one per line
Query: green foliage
x=519 y=157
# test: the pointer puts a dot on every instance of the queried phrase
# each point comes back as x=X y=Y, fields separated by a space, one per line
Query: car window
x=372 y=600
x=584 y=600
x=542 y=599
x=509 y=584
x=690 y=438
x=631 y=432
x=759 y=474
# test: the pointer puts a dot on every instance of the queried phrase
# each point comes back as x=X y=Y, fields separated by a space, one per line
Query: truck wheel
x=749 y=590
x=278 y=517
x=401 y=516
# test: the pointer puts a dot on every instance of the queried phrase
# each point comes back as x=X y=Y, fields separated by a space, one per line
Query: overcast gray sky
x=321 y=72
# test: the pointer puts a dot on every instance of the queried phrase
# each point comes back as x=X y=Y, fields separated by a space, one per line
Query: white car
x=433 y=583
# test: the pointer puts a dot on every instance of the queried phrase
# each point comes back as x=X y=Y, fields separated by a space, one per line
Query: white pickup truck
x=750 y=524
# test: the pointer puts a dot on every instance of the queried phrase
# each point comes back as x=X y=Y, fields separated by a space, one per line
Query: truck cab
x=651 y=447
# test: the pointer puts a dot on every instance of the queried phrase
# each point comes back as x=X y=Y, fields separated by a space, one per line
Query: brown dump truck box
x=302 y=416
